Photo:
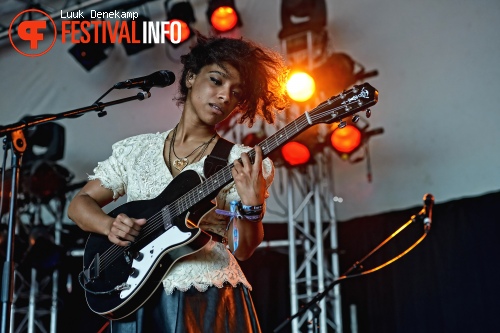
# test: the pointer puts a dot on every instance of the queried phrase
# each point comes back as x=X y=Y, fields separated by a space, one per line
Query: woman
x=205 y=291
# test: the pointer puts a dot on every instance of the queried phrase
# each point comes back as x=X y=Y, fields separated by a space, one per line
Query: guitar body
x=143 y=266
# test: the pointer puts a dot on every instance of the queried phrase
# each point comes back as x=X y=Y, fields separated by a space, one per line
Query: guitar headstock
x=349 y=102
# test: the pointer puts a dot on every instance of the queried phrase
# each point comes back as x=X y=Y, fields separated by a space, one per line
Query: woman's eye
x=237 y=94
x=216 y=81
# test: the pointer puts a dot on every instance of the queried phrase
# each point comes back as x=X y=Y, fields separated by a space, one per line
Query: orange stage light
x=346 y=140
x=224 y=18
x=300 y=86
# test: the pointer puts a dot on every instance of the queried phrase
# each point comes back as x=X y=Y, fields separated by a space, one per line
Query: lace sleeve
x=112 y=171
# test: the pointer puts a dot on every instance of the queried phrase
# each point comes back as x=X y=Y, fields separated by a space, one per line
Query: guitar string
x=156 y=221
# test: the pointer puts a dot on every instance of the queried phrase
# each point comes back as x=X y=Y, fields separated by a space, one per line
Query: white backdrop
x=438 y=83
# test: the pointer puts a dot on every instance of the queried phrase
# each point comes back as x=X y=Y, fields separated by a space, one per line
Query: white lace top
x=137 y=168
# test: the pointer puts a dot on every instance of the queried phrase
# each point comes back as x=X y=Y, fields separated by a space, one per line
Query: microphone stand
x=16 y=140
x=313 y=303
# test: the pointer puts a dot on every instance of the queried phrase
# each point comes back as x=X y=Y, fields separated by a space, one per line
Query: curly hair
x=262 y=71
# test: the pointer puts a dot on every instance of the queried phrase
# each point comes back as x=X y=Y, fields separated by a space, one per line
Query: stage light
x=302 y=15
x=222 y=15
x=133 y=48
x=346 y=141
x=295 y=153
x=339 y=72
x=44 y=142
x=300 y=86
x=90 y=54
x=183 y=13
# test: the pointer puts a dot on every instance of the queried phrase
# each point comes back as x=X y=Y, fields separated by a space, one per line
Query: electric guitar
x=118 y=280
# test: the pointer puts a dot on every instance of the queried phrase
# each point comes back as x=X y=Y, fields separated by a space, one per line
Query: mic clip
x=422 y=217
x=143 y=95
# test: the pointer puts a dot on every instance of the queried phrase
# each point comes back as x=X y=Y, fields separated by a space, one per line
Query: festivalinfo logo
x=92 y=29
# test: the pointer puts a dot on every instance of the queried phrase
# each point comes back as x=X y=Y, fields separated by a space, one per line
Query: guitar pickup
x=92 y=272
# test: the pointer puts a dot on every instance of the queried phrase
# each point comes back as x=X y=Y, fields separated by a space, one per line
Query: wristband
x=238 y=210
x=247 y=210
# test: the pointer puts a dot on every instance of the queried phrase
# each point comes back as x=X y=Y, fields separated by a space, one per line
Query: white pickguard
x=150 y=253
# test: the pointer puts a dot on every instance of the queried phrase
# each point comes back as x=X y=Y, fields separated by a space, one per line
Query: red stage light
x=185 y=31
x=183 y=13
x=295 y=153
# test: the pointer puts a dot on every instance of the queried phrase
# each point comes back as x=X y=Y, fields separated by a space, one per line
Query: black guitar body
x=108 y=266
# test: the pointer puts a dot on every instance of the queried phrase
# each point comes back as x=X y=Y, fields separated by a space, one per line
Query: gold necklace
x=181 y=162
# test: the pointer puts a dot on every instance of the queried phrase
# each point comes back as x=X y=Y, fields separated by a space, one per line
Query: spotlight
x=302 y=15
x=183 y=13
x=295 y=153
x=90 y=54
x=44 y=142
x=300 y=151
x=133 y=48
x=300 y=86
x=222 y=15
x=346 y=141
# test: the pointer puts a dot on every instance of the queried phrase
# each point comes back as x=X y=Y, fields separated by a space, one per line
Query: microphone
x=158 y=79
x=427 y=211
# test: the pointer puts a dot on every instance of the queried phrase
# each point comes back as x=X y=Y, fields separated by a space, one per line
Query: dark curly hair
x=263 y=74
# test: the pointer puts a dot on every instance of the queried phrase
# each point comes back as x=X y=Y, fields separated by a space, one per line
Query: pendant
x=180 y=163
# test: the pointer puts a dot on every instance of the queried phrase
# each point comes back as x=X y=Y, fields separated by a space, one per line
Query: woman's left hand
x=248 y=178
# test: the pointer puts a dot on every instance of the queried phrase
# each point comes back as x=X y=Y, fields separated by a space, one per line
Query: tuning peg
x=355 y=89
x=355 y=118
x=342 y=124
x=368 y=113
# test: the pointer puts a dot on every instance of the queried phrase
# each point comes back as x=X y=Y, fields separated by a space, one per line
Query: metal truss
x=35 y=305
x=313 y=256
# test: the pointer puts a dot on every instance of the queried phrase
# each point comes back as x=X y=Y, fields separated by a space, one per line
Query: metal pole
x=291 y=251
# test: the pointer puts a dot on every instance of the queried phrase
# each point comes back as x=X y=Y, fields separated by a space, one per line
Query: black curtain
x=448 y=283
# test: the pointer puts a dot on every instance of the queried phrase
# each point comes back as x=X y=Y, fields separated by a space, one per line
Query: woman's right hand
x=125 y=229
x=86 y=211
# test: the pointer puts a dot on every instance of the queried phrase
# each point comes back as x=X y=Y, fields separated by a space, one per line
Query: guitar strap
x=213 y=163
x=218 y=157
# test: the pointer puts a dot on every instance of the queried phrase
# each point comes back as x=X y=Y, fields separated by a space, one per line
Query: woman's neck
x=193 y=132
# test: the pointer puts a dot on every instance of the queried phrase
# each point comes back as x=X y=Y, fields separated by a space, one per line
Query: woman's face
x=213 y=93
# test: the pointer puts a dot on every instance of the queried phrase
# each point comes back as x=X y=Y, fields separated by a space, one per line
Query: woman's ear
x=190 y=79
